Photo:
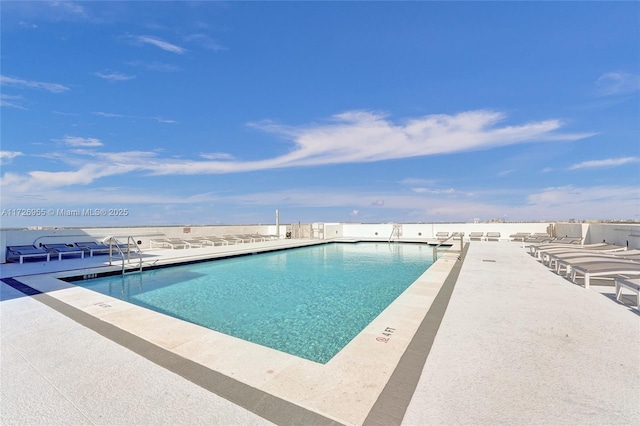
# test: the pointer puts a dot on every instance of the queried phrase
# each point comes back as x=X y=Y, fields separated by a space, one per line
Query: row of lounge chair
x=473 y=236
x=497 y=236
x=21 y=253
x=444 y=236
x=45 y=251
x=198 y=242
x=601 y=260
x=481 y=236
x=541 y=238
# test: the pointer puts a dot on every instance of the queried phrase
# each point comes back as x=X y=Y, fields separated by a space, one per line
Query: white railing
x=397 y=230
x=131 y=242
x=435 y=248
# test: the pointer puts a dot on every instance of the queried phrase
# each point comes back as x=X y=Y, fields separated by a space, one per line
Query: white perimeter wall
x=621 y=234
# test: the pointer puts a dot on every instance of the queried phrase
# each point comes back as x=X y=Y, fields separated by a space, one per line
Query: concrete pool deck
x=517 y=344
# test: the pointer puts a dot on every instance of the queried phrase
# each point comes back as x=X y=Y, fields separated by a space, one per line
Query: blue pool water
x=309 y=302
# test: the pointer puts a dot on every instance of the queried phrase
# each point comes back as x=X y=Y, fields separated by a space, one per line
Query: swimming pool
x=309 y=302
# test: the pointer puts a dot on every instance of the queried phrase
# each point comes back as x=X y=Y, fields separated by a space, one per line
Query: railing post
x=130 y=241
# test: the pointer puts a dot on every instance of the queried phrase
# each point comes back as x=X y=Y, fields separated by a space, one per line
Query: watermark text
x=59 y=212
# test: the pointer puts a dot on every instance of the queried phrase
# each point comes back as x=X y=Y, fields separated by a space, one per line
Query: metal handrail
x=435 y=248
x=396 y=227
x=114 y=242
x=111 y=241
x=131 y=241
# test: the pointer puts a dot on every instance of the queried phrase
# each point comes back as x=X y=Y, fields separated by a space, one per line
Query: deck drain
x=488 y=260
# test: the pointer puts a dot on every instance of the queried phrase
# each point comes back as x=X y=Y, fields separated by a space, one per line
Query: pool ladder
x=435 y=248
x=114 y=244
x=397 y=231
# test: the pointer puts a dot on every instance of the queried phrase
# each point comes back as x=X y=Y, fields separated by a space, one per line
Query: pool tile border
x=391 y=406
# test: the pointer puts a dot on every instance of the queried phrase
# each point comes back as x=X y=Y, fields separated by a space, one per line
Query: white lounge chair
x=442 y=236
x=604 y=269
x=548 y=257
x=476 y=236
x=255 y=237
x=537 y=249
x=569 y=264
x=631 y=283
x=171 y=243
x=519 y=236
x=271 y=237
x=539 y=238
x=237 y=239
x=493 y=236
x=568 y=260
x=216 y=240
x=570 y=240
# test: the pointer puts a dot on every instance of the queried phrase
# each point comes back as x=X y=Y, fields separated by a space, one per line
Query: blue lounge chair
x=92 y=248
x=64 y=249
x=24 y=252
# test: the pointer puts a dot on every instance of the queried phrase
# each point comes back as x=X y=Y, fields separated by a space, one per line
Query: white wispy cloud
x=75 y=141
x=109 y=114
x=617 y=83
x=71 y=7
x=114 y=76
x=553 y=203
x=51 y=87
x=7 y=156
x=572 y=201
x=8 y=101
x=361 y=136
x=351 y=137
x=609 y=162
x=28 y=25
x=154 y=66
x=217 y=156
x=29 y=14
x=418 y=181
x=114 y=115
x=89 y=166
x=154 y=41
x=428 y=186
x=206 y=42
x=161 y=120
x=422 y=190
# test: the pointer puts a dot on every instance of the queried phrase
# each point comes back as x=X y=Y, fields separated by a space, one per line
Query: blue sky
x=221 y=113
